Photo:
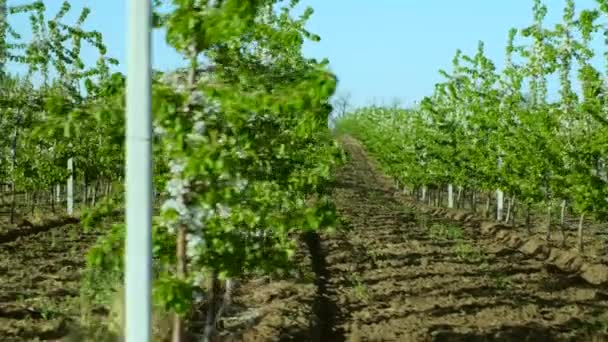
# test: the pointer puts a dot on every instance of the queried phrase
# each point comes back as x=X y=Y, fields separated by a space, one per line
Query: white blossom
x=199 y=127
x=241 y=184
x=176 y=204
x=177 y=187
x=240 y=153
x=224 y=176
x=176 y=167
x=193 y=243
x=223 y=211
x=198 y=296
x=158 y=130
x=197 y=97
x=198 y=278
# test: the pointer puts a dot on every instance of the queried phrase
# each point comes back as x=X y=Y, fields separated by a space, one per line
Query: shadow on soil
x=30 y=229
x=325 y=320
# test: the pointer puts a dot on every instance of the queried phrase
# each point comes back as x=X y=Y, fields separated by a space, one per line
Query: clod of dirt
x=515 y=242
x=354 y=333
x=534 y=246
x=554 y=254
x=469 y=218
x=488 y=227
x=460 y=216
x=567 y=260
x=503 y=234
x=24 y=223
x=438 y=212
x=595 y=274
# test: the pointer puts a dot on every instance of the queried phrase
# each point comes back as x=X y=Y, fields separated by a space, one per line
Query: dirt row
x=395 y=274
x=40 y=268
x=591 y=269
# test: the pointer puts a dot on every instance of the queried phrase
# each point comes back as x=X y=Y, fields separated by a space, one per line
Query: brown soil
x=393 y=273
x=39 y=279
x=390 y=277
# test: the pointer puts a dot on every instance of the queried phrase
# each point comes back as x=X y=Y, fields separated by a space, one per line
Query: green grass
x=446 y=232
x=467 y=252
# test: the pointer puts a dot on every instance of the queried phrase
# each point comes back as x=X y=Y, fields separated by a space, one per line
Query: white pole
x=450 y=196
x=500 y=198
x=499 y=204
x=138 y=258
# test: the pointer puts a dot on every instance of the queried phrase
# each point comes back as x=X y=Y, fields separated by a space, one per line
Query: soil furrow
x=26 y=229
x=411 y=277
x=39 y=282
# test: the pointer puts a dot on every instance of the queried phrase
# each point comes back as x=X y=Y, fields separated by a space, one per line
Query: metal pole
x=450 y=196
x=499 y=204
x=138 y=257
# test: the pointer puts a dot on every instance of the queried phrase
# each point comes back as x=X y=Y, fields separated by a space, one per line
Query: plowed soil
x=39 y=280
x=390 y=274
x=396 y=275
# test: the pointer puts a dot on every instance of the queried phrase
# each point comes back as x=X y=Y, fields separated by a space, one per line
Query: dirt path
x=397 y=276
x=39 y=282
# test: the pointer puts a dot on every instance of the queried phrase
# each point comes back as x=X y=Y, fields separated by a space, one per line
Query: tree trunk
x=52 y=200
x=70 y=187
x=473 y=201
x=440 y=196
x=227 y=299
x=13 y=167
x=13 y=202
x=33 y=202
x=528 y=219
x=85 y=190
x=212 y=299
x=178 y=322
x=459 y=198
x=512 y=209
x=94 y=195
x=486 y=210
x=580 y=233
x=562 y=223
x=548 y=238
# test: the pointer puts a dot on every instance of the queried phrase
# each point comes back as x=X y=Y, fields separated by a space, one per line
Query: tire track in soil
x=325 y=312
x=391 y=281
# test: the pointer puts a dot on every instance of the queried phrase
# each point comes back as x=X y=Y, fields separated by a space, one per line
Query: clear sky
x=381 y=50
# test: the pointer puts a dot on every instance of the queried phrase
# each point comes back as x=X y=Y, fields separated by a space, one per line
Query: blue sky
x=381 y=50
